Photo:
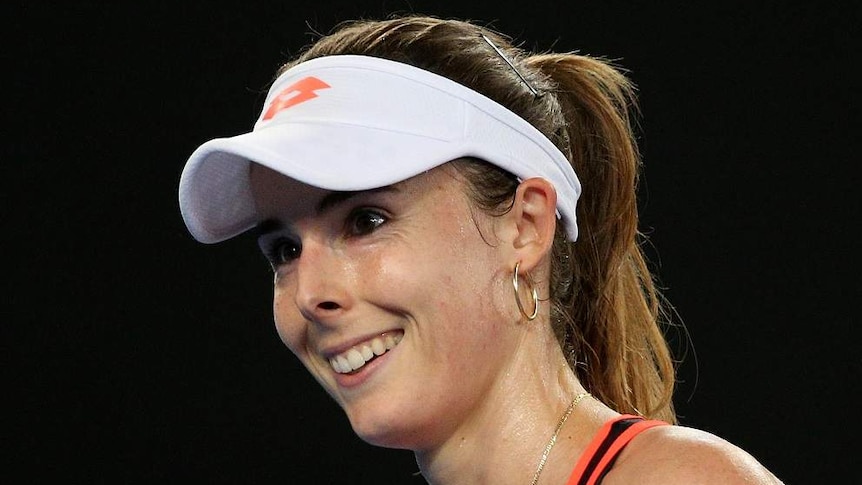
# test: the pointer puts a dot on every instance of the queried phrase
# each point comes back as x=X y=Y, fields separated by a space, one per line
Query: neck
x=502 y=441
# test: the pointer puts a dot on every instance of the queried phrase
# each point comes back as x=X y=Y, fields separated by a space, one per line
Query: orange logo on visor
x=296 y=93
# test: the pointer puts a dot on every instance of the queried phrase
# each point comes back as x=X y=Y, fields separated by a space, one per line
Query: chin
x=377 y=427
x=385 y=434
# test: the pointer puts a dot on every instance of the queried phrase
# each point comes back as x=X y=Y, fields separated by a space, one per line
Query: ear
x=532 y=221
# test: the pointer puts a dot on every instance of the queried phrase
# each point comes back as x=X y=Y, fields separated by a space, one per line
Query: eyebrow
x=337 y=198
x=327 y=203
x=267 y=226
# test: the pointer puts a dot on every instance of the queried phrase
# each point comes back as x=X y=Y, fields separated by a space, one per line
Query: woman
x=416 y=185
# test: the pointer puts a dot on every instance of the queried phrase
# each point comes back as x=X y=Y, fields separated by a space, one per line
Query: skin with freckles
x=472 y=387
x=400 y=300
x=408 y=259
x=411 y=259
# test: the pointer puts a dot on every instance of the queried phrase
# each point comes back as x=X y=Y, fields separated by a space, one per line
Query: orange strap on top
x=605 y=446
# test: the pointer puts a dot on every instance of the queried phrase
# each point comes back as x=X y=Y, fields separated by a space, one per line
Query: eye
x=364 y=221
x=282 y=251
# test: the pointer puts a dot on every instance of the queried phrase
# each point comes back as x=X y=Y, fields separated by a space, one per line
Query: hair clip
x=503 y=56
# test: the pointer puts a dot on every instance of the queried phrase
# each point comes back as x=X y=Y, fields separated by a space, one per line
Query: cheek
x=289 y=323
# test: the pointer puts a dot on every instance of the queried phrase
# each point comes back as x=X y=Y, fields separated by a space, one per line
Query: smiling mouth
x=355 y=358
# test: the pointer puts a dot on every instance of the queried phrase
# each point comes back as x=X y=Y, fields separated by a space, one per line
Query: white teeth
x=355 y=359
x=358 y=356
x=377 y=346
x=343 y=364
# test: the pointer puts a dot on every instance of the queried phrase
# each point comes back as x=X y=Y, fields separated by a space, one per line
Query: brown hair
x=605 y=308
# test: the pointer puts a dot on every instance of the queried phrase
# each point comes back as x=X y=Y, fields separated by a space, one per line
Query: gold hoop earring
x=533 y=293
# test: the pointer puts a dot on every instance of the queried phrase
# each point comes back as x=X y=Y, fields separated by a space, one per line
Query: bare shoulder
x=678 y=454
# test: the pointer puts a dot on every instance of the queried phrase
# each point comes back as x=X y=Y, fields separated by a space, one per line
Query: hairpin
x=503 y=56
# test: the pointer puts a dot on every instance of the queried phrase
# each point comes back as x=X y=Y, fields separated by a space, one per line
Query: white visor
x=348 y=123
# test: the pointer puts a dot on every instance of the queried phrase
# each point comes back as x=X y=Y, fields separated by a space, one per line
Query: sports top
x=599 y=457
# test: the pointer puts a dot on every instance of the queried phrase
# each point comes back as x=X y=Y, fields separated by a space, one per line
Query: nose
x=323 y=279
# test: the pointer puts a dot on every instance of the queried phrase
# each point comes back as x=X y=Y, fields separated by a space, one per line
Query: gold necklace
x=553 y=441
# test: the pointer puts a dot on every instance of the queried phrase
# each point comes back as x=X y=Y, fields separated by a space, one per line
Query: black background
x=132 y=354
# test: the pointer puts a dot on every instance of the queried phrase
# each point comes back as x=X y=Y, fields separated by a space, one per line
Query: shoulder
x=678 y=454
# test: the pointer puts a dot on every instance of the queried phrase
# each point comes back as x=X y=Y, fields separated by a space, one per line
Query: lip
x=335 y=350
x=361 y=376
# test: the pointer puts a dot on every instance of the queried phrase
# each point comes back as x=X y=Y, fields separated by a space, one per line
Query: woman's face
x=391 y=298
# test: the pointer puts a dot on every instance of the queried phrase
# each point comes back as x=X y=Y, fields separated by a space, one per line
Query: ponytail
x=604 y=306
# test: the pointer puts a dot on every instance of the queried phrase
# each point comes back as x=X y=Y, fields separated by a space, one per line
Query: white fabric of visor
x=377 y=122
